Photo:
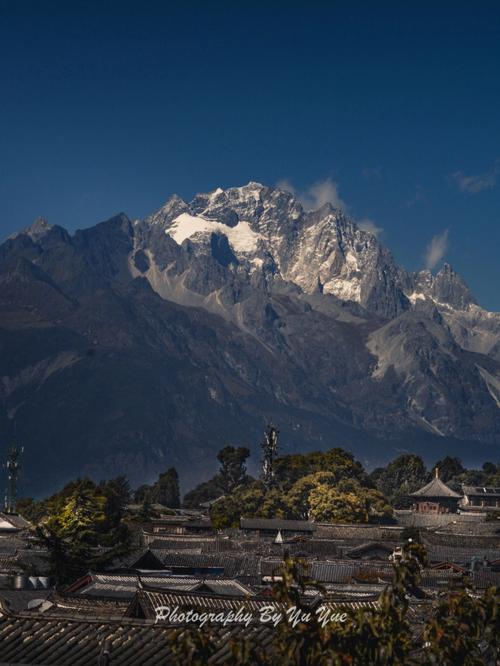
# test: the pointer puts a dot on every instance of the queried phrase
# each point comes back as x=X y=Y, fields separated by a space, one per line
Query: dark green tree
x=141 y=493
x=117 y=492
x=449 y=468
x=342 y=464
x=146 y=513
x=232 y=466
x=166 y=490
x=490 y=468
x=204 y=492
x=401 y=477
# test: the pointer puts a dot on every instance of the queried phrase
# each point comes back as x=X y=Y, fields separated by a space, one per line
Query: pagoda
x=435 y=497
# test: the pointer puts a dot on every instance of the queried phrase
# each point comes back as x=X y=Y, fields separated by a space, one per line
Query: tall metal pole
x=269 y=451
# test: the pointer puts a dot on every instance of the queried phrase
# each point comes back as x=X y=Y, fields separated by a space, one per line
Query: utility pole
x=269 y=451
x=13 y=466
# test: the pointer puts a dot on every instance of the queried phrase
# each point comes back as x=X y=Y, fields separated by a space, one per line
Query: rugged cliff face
x=132 y=346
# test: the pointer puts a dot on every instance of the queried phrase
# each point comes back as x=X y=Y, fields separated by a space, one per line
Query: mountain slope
x=131 y=346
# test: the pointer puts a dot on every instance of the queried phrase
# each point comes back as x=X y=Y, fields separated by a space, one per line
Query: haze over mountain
x=131 y=346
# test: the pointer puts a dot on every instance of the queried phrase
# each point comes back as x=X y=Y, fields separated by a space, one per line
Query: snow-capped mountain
x=131 y=345
x=263 y=236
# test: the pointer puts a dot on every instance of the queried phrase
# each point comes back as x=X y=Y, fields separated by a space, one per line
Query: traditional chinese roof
x=124 y=586
x=460 y=556
x=12 y=521
x=146 y=601
x=75 y=641
x=436 y=488
x=373 y=547
x=481 y=491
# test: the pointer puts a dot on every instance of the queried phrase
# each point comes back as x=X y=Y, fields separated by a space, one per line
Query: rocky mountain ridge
x=141 y=343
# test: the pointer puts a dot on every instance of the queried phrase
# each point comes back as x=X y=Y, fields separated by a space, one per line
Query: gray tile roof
x=436 y=488
x=460 y=556
x=66 y=641
x=15 y=520
x=124 y=586
x=336 y=571
x=149 y=600
x=276 y=524
x=75 y=605
x=239 y=565
x=483 y=491
x=361 y=533
x=373 y=547
x=484 y=578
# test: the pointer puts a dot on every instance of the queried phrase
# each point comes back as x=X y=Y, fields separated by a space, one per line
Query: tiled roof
x=14 y=520
x=64 y=641
x=331 y=572
x=484 y=491
x=336 y=571
x=224 y=586
x=471 y=528
x=485 y=578
x=74 y=605
x=362 y=533
x=124 y=586
x=439 y=578
x=372 y=546
x=461 y=556
x=149 y=600
x=34 y=559
x=276 y=524
x=436 y=488
x=470 y=540
x=9 y=562
x=232 y=565
x=172 y=543
x=414 y=519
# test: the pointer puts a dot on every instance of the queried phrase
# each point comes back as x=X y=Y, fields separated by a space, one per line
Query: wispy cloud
x=369 y=225
x=322 y=192
x=317 y=195
x=472 y=184
x=436 y=249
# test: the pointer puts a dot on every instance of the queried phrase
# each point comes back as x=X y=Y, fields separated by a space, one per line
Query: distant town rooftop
x=276 y=524
x=481 y=490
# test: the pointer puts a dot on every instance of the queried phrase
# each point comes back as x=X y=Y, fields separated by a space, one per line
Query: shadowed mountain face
x=131 y=347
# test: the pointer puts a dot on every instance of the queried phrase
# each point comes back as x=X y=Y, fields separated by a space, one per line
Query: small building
x=372 y=550
x=11 y=523
x=180 y=525
x=480 y=498
x=435 y=497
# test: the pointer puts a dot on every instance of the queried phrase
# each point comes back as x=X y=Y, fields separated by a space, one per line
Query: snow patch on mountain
x=241 y=237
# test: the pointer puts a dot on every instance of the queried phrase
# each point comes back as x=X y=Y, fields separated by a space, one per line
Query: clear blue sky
x=113 y=106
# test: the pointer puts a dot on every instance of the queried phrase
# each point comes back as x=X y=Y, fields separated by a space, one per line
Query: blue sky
x=394 y=108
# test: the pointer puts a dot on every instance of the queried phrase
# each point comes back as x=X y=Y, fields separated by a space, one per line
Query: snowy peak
x=173 y=207
x=449 y=287
x=209 y=309
x=445 y=288
x=268 y=232
x=37 y=230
